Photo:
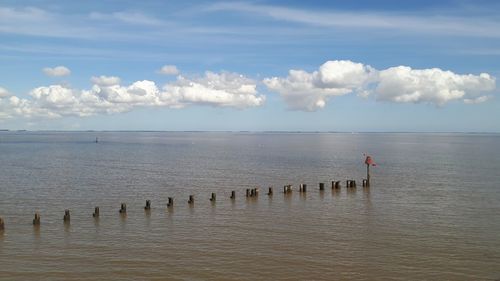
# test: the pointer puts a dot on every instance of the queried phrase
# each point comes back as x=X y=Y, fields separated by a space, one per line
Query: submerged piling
x=123 y=208
x=321 y=186
x=148 y=205
x=191 y=199
x=270 y=191
x=350 y=183
x=66 y=217
x=212 y=198
x=170 y=202
x=36 y=220
x=233 y=194
x=96 y=212
x=303 y=187
x=366 y=183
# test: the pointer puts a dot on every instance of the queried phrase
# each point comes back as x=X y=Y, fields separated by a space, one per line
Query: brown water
x=432 y=213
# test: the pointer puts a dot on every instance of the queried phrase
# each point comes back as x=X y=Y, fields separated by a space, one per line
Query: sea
x=432 y=211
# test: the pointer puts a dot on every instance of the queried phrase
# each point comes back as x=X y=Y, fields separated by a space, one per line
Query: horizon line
x=255 y=131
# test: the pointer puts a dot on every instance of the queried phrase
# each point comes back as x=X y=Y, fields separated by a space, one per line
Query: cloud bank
x=309 y=91
x=108 y=96
x=300 y=90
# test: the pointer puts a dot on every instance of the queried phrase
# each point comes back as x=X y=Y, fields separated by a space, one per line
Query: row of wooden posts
x=253 y=192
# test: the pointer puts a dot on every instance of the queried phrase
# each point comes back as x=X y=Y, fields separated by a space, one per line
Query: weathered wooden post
x=256 y=191
x=96 y=212
x=123 y=208
x=337 y=184
x=2 y=225
x=170 y=202
x=248 y=192
x=191 y=199
x=270 y=191
x=148 y=205
x=233 y=194
x=36 y=220
x=353 y=183
x=321 y=186
x=285 y=189
x=212 y=198
x=66 y=217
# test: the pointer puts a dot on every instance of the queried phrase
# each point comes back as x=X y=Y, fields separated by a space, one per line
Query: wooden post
x=123 y=208
x=148 y=205
x=191 y=199
x=2 y=225
x=96 y=212
x=321 y=186
x=285 y=189
x=256 y=191
x=170 y=202
x=233 y=194
x=248 y=192
x=36 y=220
x=66 y=217
x=212 y=198
x=270 y=192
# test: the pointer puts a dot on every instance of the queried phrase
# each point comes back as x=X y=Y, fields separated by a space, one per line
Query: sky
x=350 y=66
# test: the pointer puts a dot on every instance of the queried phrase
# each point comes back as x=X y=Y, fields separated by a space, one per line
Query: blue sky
x=250 y=65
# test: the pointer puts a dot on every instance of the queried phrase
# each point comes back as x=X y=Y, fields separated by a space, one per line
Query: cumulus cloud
x=107 y=96
x=57 y=71
x=216 y=89
x=105 y=80
x=436 y=86
x=309 y=91
x=4 y=93
x=169 y=70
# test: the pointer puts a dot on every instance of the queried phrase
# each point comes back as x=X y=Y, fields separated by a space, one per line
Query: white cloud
x=302 y=90
x=105 y=80
x=57 y=71
x=107 y=96
x=306 y=91
x=404 y=84
x=216 y=89
x=169 y=70
x=4 y=93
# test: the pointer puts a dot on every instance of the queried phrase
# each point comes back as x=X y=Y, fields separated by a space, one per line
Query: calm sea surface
x=432 y=212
